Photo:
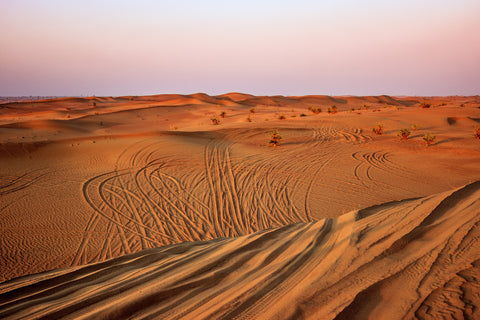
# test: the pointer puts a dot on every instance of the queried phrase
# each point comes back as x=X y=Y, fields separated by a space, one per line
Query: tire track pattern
x=154 y=198
x=151 y=204
x=393 y=261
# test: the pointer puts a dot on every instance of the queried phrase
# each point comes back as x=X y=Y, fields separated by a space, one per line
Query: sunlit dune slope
x=412 y=258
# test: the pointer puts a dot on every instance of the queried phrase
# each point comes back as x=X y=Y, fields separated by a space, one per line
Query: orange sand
x=140 y=207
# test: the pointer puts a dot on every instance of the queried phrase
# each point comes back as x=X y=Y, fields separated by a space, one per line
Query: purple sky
x=259 y=47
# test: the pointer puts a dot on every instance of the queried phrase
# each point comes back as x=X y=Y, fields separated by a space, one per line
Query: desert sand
x=141 y=207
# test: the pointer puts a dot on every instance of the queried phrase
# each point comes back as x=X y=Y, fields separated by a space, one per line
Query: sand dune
x=141 y=205
x=385 y=262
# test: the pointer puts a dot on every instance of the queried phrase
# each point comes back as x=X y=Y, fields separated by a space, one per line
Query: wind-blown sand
x=140 y=207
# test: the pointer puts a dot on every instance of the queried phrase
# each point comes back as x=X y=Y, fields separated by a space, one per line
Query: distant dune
x=143 y=207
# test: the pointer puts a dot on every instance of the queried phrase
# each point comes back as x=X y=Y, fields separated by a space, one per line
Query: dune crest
x=398 y=260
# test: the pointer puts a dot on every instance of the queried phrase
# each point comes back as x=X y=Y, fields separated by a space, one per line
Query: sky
x=142 y=47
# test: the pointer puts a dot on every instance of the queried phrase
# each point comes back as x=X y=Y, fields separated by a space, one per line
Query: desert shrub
x=476 y=133
x=462 y=105
x=352 y=109
x=429 y=139
x=403 y=134
x=366 y=106
x=315 y=110
x=414 y=127
x=378 y=129
x=222 y=114
x=275 y=138
x=249 y=119
x=425 y=105
x=332 y=109
x=215 y=121
x=443 y=104
x=94 y=104
x=282 y=117
x=303 y=115
x=252 y=110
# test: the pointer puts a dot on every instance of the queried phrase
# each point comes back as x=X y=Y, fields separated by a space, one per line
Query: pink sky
x=268 y=47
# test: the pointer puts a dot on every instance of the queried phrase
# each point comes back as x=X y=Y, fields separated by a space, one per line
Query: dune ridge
x=398 y=260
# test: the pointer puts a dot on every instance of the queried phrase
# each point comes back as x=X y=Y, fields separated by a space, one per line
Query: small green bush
x=429 y=139
x=275 y=138
x=476 y=133
x=333 y=109
x=315 y=110
x=425 y=105
x=403 y=134
x=378 y=129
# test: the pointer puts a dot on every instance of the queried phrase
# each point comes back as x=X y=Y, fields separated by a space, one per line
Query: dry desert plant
x=215 y=121
x=315 y=110
x=476 y=133
x=414 y=127
x=249 y=119
x=222 y=114
x=282 y=117
x=332 y=109
x=303 y=115
x=429 y=139
x=403 y=133
x=425 y=105
x=275 y=138
x=252 y=110
x=378 y=129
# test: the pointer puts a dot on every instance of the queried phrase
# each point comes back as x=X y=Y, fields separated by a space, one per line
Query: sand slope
x=208 y=221
x=411 y=258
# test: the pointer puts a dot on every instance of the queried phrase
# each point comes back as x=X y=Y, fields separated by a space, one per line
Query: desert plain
x=141 y=207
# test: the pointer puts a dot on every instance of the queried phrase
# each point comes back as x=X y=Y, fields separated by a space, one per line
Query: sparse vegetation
x=315 y=110
x=215 y=121
x=94 y=104
x=429 y=139
x=252 y=110
x=333 y=109
x=282 y=117
x=425 y=105
x=414 y=127
x=476 y=132
x=366 y=106
x=222 y=114
x=275 y=138
x=403 y=133
x=462 y=105
x=303 y=115
x=378 y=129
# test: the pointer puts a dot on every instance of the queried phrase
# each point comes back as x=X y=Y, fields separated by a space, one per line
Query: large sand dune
x=142 y=207
x=410 y=258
